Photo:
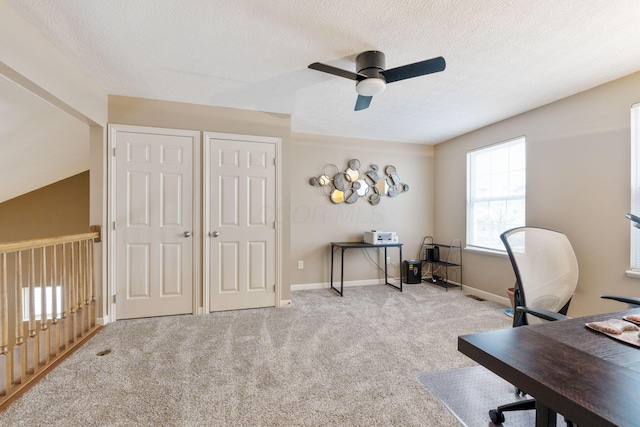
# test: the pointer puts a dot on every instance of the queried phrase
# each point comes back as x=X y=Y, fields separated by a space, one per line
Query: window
x=496 y=190
x=37 y=306
x=635 y=184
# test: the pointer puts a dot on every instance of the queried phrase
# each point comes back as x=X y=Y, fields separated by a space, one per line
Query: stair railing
x=47 y=306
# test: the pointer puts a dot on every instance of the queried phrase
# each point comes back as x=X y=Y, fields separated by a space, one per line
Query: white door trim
x=206 y=205
x=111 y=209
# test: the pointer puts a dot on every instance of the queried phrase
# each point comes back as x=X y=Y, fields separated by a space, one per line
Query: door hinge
x=274 y=225
x=274 y=288
x=115 y=225
x=114 y=299
x=115 y=152
x=274 y=162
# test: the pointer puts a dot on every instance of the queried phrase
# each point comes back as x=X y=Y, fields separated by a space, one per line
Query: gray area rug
x=324 y=361
x=469 y=393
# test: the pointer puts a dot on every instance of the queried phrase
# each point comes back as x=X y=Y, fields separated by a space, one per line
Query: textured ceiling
x=503 y=57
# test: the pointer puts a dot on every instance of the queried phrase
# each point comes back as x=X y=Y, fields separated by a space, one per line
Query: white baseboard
x=102 y=320
x=468 y=289
x=347 y=284
x=483 y=294
x=285 y=303
x=487 y=296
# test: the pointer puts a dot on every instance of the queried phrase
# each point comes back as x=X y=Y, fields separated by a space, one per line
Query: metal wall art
x=352 y=185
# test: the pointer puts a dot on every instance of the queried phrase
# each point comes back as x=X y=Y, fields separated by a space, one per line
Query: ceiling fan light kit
x=371 y=77
x=371 y=86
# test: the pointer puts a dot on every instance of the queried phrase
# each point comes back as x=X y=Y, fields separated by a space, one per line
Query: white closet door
x=240 y=233
x=154 y=220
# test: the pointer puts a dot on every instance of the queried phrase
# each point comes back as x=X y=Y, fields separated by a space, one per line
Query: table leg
x=386 y=265
x=545 y=417
x=386 y=275
x=342 y=272
x=400 y=250
x=333 y=250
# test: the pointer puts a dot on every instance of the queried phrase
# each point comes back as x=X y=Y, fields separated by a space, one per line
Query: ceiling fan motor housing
x=371 y=63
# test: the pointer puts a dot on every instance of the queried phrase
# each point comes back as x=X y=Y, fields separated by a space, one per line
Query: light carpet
x=324 y=361
x=469 y=393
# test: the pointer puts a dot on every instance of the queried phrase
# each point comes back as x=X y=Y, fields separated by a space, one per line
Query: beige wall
x=58 y=209
x=578 y=182
x=316 y=221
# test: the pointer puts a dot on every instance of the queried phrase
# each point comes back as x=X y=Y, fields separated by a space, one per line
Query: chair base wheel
x=497 y=417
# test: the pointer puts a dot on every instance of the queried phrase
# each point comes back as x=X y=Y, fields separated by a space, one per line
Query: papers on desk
x=619 y=329
x=634 y=318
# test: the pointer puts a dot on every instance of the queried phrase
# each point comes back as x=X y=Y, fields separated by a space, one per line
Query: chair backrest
x=546 y=270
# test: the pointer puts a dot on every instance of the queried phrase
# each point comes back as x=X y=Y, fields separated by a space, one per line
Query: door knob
x=187 y=234
x=214 y=233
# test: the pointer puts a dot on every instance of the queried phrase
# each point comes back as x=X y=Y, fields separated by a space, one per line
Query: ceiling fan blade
x=363 y=102
x=336 y=71
x=416 y=69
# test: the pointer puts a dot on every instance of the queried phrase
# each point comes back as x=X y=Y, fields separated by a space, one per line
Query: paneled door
x=239 y=221
x=154 y=220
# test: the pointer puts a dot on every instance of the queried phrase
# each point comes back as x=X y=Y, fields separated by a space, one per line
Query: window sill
x=633 y=273
x=492 y=252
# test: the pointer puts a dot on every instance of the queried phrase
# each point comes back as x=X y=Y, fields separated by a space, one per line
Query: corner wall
x=578 y=182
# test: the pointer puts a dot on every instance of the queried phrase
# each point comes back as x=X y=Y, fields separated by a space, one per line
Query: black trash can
x=412 y=271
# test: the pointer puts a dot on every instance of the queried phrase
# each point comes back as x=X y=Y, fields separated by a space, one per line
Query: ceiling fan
x=371 y=77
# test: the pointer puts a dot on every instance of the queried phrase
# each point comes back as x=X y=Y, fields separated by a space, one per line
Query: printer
x=375 y=237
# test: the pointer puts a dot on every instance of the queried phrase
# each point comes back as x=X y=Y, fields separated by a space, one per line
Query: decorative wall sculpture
x=352 y=185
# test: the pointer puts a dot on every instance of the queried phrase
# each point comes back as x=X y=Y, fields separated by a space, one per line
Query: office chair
x=546 y=272
x=630 y=301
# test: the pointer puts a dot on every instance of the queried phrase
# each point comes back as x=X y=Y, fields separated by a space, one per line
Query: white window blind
x=496 y=192
x=635 y=184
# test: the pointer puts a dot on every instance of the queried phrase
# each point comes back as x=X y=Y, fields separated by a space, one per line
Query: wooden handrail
x=37 y=243
x=48 y=306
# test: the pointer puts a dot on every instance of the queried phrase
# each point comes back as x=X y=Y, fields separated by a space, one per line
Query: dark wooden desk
x=361 y=245
x=590 y=378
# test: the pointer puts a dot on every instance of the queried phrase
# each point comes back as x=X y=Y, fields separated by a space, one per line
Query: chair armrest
x=543 y=314
x=633 y=302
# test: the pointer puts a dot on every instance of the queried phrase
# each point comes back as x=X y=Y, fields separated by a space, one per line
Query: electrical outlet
x=388 y=260
x=300 y=265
